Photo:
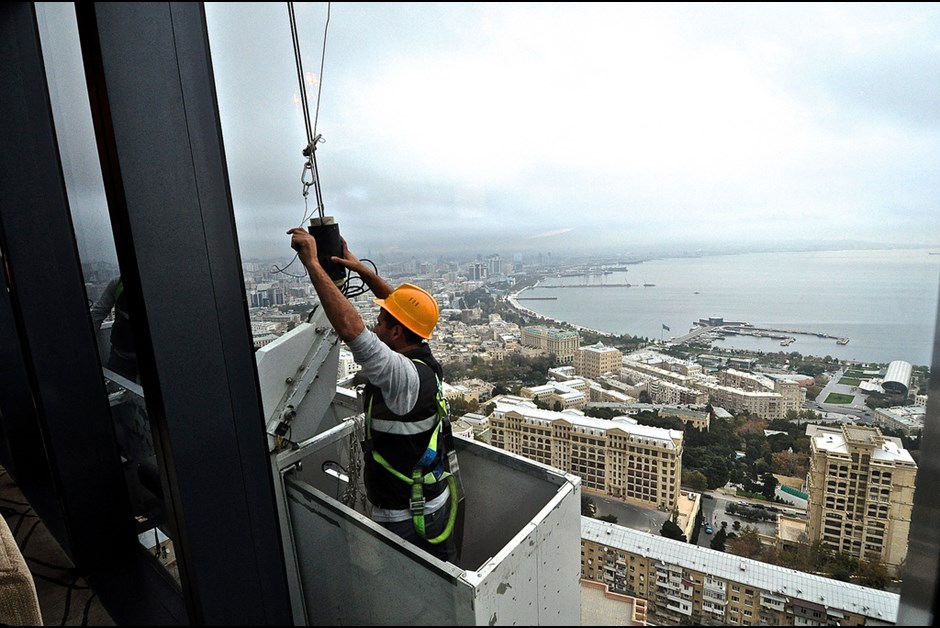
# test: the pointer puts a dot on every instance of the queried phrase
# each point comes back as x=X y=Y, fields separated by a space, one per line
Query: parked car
x=708 y=530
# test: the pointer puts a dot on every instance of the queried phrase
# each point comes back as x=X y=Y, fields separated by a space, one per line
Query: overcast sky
x=579 y=127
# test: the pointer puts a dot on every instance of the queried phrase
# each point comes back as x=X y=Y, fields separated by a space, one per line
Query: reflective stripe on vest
x=402 y=428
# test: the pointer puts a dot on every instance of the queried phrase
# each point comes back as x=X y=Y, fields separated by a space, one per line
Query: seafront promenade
x=701 y=330
x=513 y=301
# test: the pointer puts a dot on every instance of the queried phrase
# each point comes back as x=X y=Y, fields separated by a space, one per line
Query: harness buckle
x=417 y=505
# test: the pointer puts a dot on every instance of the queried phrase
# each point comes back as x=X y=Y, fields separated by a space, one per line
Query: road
x=714 y=512
x=630 y=515
x=862 y=413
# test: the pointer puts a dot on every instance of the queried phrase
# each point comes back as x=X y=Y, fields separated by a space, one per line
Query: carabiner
x=308 y=167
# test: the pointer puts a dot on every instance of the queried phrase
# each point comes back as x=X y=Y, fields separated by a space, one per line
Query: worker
x=122 y=358
x=407 y=484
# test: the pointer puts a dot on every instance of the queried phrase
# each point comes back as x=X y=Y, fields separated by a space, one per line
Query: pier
x=779 y=334
x=716 y=328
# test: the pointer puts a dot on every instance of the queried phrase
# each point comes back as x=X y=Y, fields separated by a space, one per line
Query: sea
x=883 y=301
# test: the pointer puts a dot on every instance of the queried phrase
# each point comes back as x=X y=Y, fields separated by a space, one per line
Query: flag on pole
x=666 y=327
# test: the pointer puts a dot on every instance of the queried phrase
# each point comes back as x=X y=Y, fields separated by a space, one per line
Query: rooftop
x=664 y=437
x=801 y=586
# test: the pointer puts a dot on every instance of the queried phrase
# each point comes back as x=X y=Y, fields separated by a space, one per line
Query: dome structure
x=897 y=378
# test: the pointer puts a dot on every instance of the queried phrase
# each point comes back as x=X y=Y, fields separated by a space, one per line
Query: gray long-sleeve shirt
x=391 y=372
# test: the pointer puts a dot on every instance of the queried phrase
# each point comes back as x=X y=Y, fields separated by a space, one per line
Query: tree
x=460 y=406
x=672 y=531
x=695 y=480
x=602 y=413
x=819 y=556
x=790 y=463
x=746 y=544
x=608 y=518
x=717 y=473
x=718 y=541
x=872 y=573
x=842 y=566
x=770 y=486
x=644 y=397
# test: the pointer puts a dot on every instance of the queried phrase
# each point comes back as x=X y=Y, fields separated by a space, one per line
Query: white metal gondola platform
x=520 y=552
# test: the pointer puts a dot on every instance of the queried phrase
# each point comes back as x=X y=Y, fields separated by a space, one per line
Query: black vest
x=402 y=452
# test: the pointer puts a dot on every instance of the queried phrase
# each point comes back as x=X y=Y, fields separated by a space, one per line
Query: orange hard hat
x=413 y=307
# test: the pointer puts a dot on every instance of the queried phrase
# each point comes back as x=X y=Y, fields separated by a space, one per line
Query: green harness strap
x=418 y=478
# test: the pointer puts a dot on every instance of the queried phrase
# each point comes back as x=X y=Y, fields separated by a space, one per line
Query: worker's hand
x=348 y=260
x=306 y=247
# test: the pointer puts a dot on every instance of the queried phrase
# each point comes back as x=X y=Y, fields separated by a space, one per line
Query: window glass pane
x=102 y=275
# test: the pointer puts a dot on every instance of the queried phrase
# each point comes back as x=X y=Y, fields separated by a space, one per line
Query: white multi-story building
x=347 y=366
x=909 y=419
x=617 y=457
x=559 y=395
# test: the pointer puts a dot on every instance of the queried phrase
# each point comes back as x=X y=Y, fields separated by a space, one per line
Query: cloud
x=457 y=125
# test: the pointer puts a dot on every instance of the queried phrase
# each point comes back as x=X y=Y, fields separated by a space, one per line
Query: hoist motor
x=326 y=233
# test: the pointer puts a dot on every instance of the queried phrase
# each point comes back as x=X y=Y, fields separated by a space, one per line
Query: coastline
x=512 y=300
x=881 y=335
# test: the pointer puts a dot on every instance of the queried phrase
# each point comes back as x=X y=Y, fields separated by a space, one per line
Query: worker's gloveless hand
x=306 y=247
x=348 y=260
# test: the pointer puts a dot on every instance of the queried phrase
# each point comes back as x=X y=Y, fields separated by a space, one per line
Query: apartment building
x=666 y=362
x=663 y=386
x=632 y=462
x=593 y=361
x=472 y=389
x=698 y=418
x=792 y=395
x=598 y=394
x=666 y=392
x=861 y=492
x=909 y=419
x=745 y=380
x=765 y=404
x=686 y=584
x=551 y=340
x=559 y=395
x=635 y=368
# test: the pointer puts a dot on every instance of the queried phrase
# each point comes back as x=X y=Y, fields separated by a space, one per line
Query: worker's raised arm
x=378 y=286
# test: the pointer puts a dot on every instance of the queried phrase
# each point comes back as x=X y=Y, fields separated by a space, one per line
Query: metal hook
x=308 y=167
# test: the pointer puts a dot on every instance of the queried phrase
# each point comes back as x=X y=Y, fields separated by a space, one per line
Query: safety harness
x=419 y=477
